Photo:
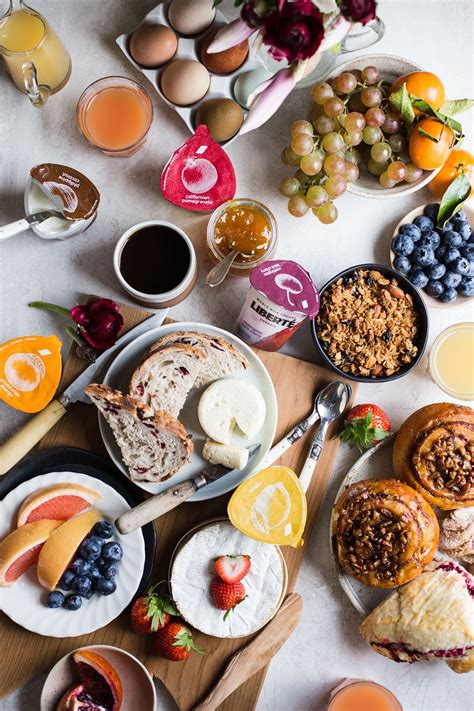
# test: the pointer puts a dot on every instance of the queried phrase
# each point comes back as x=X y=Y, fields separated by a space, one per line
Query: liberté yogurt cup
x=281 y=296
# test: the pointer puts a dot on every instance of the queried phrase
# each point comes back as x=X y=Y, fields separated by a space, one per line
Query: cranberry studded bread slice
x=165 y=377
x=154 y=445
x=222 y=358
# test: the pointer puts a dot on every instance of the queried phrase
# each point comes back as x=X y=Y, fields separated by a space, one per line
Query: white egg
x=246 y=83
x=190 y=17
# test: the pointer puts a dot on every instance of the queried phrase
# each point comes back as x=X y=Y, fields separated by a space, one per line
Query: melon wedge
x=21 y=548
x=58 y=501
x=61 y=546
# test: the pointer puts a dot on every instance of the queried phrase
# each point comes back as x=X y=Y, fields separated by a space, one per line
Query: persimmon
x=425 y=85
x=426 y=153
x=458 y=163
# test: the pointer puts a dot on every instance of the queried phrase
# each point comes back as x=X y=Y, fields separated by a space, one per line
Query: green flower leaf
x=453 y=199
x=400 y=100
x=449 y=108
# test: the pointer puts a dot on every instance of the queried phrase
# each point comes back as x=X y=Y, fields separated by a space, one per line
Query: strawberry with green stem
x=152 y=611
x=364 y=426
x=174 y=642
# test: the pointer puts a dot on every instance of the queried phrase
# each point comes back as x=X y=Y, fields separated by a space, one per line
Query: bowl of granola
x=372 y=324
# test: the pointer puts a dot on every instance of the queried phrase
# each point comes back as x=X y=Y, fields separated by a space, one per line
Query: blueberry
x=81 y=566
x=431 y=239
x=104 y=586
x=90 y=549
x=418 y=278
x=403 y=245
x=97 y=539
x=411 y=230
x=103 y=529
x=448 y=226
x=452 y=239
x=466 y=288
x=423 y=257
x=431 y=211
x=424 y=223
x=461 y=266
x=451 y=280
x=73 y=602
x=66 y=581
x=467 y=251
x=434 y=288
x=94 y=571
x=440 y=254
x=88 y=595
x=436 y=271
x=451 y=255
x=464 y=231
x=110 y=569
x=112 y=551
x=448 y=296
x=55 y=599
x=459 y=216
x=82 y=584
x=402 y=264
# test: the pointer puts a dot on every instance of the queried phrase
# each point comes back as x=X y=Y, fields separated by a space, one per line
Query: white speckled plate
x=24 y=601
x=119 y=375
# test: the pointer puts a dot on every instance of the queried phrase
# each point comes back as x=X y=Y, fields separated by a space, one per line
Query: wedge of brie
x=230 y=403
x=230 y=455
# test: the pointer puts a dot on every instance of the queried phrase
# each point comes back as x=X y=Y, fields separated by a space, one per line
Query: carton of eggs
x=170 y=49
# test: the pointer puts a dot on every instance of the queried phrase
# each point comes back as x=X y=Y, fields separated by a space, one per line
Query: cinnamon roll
x=384 y=532
x=434 y=452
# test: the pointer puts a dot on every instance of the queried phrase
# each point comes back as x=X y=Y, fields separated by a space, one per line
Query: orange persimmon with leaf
x=459 y=162
x=425 y=85
x=430 y=142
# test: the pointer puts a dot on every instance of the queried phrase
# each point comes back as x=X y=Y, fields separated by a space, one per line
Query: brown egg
x=185 y=81
x=153 y=45
x=223 y=62
x=223 y=117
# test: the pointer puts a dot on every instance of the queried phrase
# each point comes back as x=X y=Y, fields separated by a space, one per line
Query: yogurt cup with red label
x=281 y=296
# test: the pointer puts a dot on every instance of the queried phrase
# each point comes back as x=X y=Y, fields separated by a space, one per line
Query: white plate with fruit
x=86 y=573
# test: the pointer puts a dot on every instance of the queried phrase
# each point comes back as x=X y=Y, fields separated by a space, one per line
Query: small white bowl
x=138 y=686
x=390 y=67
x=35 y=201
x=429 y=300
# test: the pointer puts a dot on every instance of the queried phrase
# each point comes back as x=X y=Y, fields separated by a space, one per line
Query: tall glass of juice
x=451 y=361
x=362 y=695
x=115 y=114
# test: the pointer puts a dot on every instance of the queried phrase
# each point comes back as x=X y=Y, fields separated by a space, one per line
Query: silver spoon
x=330 y=404
x=218 y=273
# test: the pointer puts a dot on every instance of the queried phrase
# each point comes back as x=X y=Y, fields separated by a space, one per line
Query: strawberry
x=364 y=426
x=151 y=612
x=226 y=596
x=174 y=642
x=232 y=568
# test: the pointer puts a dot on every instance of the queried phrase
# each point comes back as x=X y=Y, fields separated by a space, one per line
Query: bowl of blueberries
x=437 y=260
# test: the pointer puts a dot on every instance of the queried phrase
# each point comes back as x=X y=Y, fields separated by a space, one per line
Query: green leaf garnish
x=400 y=100
x=449 y=108
x=423 y=106
x=453 y=199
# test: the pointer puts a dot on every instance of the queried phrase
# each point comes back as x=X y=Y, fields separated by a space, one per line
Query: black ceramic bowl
x=421 y=337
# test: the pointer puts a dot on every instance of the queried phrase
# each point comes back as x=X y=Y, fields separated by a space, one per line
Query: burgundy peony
x=362 y=11
x=294 y=31
x=99 y=322
x=253 y=13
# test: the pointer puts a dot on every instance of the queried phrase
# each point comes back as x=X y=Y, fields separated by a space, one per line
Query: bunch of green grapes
x=351 y=121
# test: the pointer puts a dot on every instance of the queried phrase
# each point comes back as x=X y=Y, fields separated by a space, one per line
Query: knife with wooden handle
x=256 y=654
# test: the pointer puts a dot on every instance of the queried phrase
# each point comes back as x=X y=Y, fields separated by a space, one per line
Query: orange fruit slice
x=21 y=548
x=99 y=678
x=58 y=502
x=60 y=547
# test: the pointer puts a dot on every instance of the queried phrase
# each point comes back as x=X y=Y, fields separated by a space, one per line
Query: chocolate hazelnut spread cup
x=281 y=296
x=155 y=263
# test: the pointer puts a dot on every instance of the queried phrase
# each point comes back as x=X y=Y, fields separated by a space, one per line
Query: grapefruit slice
x=99 y=679
x=58 y=502
x=21 y=548
x=60 y=547
x=77 y=699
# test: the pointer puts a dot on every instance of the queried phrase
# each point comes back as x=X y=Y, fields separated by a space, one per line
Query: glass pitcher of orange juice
x=35 y=58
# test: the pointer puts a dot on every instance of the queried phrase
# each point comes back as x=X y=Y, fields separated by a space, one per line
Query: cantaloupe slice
x=21 y=548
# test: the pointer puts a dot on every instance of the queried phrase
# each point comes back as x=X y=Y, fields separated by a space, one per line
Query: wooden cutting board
x=24 y=654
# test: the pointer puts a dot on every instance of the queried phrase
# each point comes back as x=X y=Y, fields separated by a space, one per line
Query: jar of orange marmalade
x=245 y=225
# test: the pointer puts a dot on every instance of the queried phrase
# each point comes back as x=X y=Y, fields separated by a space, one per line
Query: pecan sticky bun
x=434 y=452
x=384 y=532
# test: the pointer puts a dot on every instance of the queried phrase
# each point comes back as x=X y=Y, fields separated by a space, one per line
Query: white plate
x=429 y=300
x=119 y=375
x=24 y=602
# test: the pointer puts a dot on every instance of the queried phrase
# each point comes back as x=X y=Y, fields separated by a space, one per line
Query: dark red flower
x=294 y=31
x=99 y=322
x=253 y=13
x=362 y=11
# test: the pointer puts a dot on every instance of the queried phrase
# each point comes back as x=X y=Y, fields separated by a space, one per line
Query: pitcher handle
x=371 y=33
x=37 y=93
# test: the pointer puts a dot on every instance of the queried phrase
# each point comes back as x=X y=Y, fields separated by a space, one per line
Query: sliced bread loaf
x=165 y=377
x=154 y=445
x=222 y=358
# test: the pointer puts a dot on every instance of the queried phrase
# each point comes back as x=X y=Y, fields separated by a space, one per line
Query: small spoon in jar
x=218 y=273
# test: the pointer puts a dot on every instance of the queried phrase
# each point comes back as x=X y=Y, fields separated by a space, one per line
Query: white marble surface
x=437 y=34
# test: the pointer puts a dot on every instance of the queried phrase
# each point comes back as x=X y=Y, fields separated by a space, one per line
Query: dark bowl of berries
x=372 y=324
x=437 y=260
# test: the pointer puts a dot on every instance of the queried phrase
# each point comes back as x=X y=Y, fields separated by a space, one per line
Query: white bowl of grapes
x=353 y=140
